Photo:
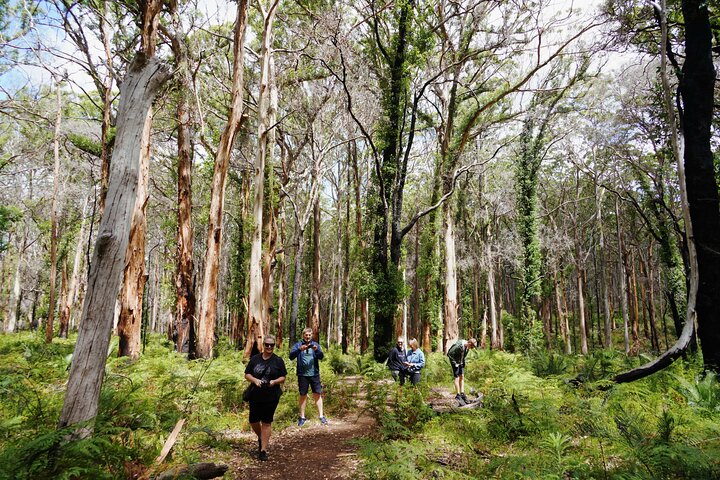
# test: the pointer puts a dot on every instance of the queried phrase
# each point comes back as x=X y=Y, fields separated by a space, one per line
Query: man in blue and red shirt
x=308 y=353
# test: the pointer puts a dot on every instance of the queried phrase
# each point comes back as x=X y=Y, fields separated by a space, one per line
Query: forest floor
x=316 y=451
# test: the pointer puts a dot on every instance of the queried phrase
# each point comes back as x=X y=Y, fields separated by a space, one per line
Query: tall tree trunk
x=607 y=314
x=268 y=264
x=697 y=124
x=144 y=79
x=495 y=342
x=54 y=217
x=649 y=270
x=363 y=319
x=314 y=320
x=623 y=282
x=131 y=292
x=697 y=84
x=265 y=104
x=14 y=302
x=271 y=207
x=208 y=306
x=562 y=317
x=184 y=280
x=581 y=309
x=107 y=94
x=634 y=313
x=282 y=271
x=451 y=330
x=346 y=264
x=66 y=312
x=295 y=298
x=64 y=319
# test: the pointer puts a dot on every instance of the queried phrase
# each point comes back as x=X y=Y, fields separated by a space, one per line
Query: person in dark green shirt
x=457 y=353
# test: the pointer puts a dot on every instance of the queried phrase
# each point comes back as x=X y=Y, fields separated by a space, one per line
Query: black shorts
x=312 y=382
x=263 y=411
x=459 y=370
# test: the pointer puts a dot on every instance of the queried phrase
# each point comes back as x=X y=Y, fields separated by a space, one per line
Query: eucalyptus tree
x=258 y=298
x=208 y=296
x=697 y=91
x=695 y=171
x=535 y=139
x=145 y=77
x=184 y=322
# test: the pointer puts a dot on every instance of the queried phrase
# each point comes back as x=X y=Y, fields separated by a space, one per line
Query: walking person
x=457 y=354
x=266 y=372
x=396 y=361
x=415 y=361
x=308 y=353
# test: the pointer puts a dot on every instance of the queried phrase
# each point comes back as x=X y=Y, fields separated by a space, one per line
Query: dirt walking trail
x=320 y=452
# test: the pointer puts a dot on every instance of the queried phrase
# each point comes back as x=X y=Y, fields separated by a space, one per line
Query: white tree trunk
x=54 y=219
x=208 y=297
x=77 y=263
x=144 y=79
x=255 y=300
x=623 y=285
x=16 y=289
x=451 y=302
x=494 y=333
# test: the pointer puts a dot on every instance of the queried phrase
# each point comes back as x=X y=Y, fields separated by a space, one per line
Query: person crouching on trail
x=308 y=353
x=457 y=354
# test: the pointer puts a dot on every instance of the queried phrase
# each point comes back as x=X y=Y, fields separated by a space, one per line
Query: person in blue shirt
x=415 y=361
x=308 y=353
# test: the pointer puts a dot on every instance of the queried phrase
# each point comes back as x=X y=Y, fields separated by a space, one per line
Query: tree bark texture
x=697 y=84
x=66 y=312
x=314 y=320
x=54 y=218
x=184 y=279
x=208 y=307
x=265 y=103
x=451 y=330
x=144 y=79
x=134 y=278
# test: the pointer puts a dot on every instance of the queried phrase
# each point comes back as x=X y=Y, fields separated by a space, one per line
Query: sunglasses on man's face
x=269 y=345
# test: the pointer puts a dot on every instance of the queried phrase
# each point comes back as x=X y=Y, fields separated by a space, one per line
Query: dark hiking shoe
x=465 y=398
x=461 y=401
x=323 y=420
x=263 y=455
x=301 y=421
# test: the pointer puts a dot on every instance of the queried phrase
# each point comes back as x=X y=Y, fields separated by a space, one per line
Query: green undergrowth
x=544 y=416
x=551 y=417
x=141 y=402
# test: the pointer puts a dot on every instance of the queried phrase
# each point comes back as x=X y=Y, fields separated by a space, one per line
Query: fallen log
x=451 y=404
x=200 y=471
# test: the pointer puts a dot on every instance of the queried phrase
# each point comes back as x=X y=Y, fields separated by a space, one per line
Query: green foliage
x=398 y=410
x=534 y=427
x=598 y=365
x=666 y=426
x=546 y=363
x=341 y=364
x=9 y=215
x=86 y=144
x=703 y=392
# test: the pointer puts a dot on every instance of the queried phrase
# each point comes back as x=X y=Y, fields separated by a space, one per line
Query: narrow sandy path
x=312 y=451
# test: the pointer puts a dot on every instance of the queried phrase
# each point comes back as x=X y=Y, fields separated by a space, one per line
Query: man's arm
x=294 y=351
